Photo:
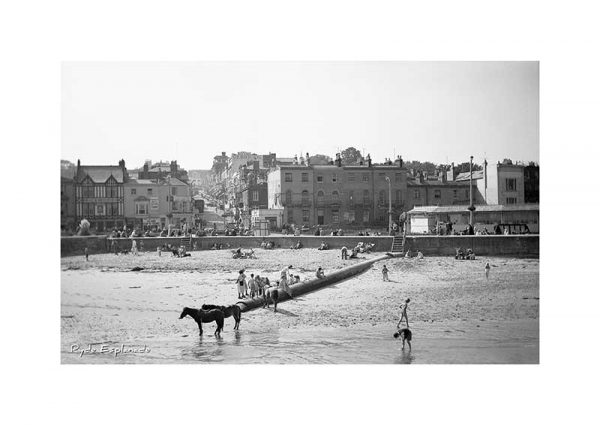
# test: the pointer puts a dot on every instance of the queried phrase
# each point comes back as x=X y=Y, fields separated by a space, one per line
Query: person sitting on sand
x=354 y=253
x=419 y=255
x=320 y=273
x=403 y=314
x=408 y=254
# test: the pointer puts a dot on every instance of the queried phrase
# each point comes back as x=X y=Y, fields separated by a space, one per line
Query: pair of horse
x=213 y=313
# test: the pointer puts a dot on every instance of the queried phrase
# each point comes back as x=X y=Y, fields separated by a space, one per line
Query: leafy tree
x=351 y=156
x=464 y=167
x=427 y=166
x=67 y=168
x=319 y=159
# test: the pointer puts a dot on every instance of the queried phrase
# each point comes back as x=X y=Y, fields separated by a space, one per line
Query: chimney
x=338 y=160
x=442 y=176
x=451 y=173
x=145 y=168
x=421 y=177
x=368 y=159
x=295 y=159
x=307 y=159
x=173 y=167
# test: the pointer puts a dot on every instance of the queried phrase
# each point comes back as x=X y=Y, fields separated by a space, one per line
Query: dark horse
x=233 y=310
x=204 y=316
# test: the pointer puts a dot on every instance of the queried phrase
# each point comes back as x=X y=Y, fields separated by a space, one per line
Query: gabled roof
x=100 y=173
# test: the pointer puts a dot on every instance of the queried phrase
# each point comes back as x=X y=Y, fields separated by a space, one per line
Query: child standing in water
x=385 y=273
x=487 y=270
x=403 y=315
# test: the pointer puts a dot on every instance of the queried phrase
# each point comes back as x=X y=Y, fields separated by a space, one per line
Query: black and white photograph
x=300 y=212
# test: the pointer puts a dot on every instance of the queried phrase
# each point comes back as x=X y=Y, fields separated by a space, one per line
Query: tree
x=464 y=167
x=351 y=156
x=319 y=159
x=67 y=168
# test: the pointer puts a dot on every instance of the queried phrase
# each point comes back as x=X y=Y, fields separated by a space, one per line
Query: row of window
x=349 y=216
x=99 y=191
x=87 y=209
x=335 y=196
x=334 y=177
x=149 y=191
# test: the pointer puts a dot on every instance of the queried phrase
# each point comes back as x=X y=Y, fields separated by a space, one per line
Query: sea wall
x=503 y=245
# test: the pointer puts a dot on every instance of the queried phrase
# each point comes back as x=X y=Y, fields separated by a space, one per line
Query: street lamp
x=471 y=206
x=389 y=205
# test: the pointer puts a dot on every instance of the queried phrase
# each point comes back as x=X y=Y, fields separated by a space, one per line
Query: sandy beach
x=457 y=316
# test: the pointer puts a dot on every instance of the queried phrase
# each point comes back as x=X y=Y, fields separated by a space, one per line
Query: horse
x=232 y=310
x=204 y=316
x=270 y=294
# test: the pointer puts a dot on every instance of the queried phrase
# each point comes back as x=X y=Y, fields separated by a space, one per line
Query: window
x=365 y=177
x=112 y=191
x=334 y=178
x=398 y=177
x=319 y=178
x=351 y=196
x=455 y=192
x=133 y=191
x=335 y=216
x=366 y=196
x=351 y=177
x=351 y=217
x=511 y=200
x=288 y=177
x=88 y=191
x=255 y=195
x=320 y=196
x=149 y=191
x=100 y=209
x=304 y=177
x=511 y=185
x=437 y=194
x=305 y=215
x=335 y=196
x=320 y=216
x=141 y=208
x=305 y=197
x=365 y=216
x=290 y=217
x=398 y=196
x=381 y=198
x=466 y=193
x=173 y=191
x=381 y=176
x=288 y=197
x=417 y=194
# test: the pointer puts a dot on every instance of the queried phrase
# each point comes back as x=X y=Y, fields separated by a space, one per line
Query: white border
x=39 y=35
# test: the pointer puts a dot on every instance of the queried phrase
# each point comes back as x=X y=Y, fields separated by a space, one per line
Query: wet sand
x=457 y=316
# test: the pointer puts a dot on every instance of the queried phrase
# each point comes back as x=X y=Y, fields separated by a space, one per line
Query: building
x=499 y=184
x=99 y=195
x=68 y=214
x=157 y=204
x=512 y=218
x=160 y=170
x=532 y=183
x=436 y=190
x=338 y=195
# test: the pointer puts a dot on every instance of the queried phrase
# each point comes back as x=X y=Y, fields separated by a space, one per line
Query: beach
x=456 y=315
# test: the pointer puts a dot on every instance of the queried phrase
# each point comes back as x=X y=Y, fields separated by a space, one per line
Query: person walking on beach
x=241 y=284
x=403 y=314
x=86 y=252
x=284 y=280
x=487 y=270
x=385 y=273
x=344 y=253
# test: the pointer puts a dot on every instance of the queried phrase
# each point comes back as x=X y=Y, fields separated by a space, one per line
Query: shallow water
x=141 y=310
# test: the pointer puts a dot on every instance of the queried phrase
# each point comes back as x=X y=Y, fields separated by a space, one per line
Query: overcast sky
x=436 y=111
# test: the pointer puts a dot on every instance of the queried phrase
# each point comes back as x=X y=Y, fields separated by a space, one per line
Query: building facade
x=99 y=195
x=337 y=195
x=158 y=204
x=67 y=203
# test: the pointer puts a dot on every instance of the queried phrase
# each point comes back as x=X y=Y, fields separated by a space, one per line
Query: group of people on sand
x=409 y=254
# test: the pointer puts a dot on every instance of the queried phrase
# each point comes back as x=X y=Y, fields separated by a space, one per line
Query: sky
x=441 y=112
